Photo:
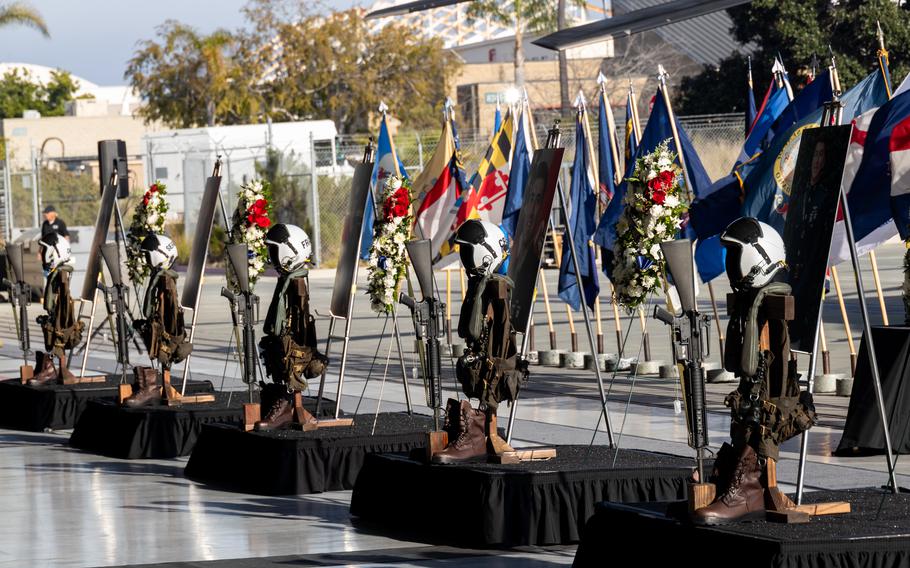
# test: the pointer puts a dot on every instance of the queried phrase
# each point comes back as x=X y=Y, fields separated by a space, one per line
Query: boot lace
x=463 y=430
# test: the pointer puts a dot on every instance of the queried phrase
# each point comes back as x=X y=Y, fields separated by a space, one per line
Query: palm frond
x=23 y=14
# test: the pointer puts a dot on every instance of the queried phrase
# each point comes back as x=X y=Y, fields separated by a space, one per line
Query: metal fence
x=318 y=179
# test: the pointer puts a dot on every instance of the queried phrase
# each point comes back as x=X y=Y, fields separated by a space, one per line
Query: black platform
x=287 y=462
x=863 y=427
x=159 y=431
x=531 y=503
x=876 y=533
x=58 y=407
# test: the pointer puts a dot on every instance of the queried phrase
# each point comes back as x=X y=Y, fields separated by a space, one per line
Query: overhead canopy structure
x=409 y=7
x=633 y=22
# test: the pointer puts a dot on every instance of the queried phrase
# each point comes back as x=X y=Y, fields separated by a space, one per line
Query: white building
x=184 y=158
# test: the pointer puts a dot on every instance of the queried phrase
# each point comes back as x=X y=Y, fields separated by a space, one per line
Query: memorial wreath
x=387 y=263
x=148 y=218
x=250 y=223
x=653 y=212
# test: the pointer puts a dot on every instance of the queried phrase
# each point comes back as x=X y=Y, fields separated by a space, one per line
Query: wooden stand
x=436 y=442
x=779 y=507
x=124 y=391
x=174 y=398
x=700 y=495
x=26 y=372
x=252 y=414
x=501 y=452
x=84 y=380
x=307 y=422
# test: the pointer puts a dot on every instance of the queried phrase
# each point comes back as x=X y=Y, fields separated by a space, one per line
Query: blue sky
x=94 y=38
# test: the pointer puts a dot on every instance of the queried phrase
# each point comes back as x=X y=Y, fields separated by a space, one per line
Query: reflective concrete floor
x=62 y=507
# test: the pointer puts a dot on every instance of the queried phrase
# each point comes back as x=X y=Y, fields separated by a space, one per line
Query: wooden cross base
x=26 y=372
x=84 y=380
x=307 y=422
x=252 y=414
x=173 y=398
x=700 y=495
x=781 y=509
x=124 y=391
x=436 y=442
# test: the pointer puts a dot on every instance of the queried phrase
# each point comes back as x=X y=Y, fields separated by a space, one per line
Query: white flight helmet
x=755 y=253
x=483 y=246
x=160 y=251
x=289 y=247
x=55 y=251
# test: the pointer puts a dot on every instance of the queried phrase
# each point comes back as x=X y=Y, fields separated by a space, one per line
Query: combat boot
x=470 y=441
x=451 y=425
x=743 y=497
x=145 y=387
x=281 y=411
x=45 y=372
x=65 y=375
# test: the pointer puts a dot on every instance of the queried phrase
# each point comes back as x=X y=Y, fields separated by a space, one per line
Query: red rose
x=263 y=222
x=400 y=210
x=153 y=188
x=145 y=200
x=663 y=181
x=659 y=196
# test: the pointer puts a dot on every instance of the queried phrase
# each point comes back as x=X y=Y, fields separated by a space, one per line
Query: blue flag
x=762 y=127
x=767 y=192
x=582 y=222
x=631 y=135
x=384 y=166
x=518 y=177
x=606 y=167
x=497 y=119
x=750 y=102
x=657 y=130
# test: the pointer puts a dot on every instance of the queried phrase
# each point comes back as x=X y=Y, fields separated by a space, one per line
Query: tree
x=22 y=14
x=333 y=67
x=190 y=79
x=18 y=93
x=797 y=29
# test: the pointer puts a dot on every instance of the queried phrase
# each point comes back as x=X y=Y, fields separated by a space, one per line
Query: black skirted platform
x=875 y=534
x=159 y=431
x=286 y=462
x=58 y=407
x=531 y=503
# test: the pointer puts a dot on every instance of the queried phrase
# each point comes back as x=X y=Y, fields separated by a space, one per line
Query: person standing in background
x=53 y=223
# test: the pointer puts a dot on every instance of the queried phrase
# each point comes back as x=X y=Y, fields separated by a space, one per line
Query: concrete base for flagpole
x=603 y=361
x=710 y=366
x=457 y=350
x=826 y=383
x=844 y=387
x=550 y=357
x=572 y=360
x=648 y=367
x=623 y=364
x=720 y=376
x=669 y=372
x=532 y=358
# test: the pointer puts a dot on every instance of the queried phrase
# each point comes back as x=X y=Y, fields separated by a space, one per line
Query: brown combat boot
x=280 y=414
x=743 y=498
x=65 y=374
x=451 y=425
x=145 y=387
x=470 y=441
x=45 y=372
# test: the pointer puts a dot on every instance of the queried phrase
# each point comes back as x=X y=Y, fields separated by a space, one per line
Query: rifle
x=246 y=306
x=20 y=296
x=691 y=344
x=428 y=315
x=116 y=298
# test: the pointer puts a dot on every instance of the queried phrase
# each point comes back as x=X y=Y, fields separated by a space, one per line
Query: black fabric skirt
x=531 y=503
x=875 y=534
x=58 y=407
x=287 y=462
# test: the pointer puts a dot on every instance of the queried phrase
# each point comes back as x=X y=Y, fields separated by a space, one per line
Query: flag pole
x=662 y=78
x=883 y=66
x=592 y=170
x=843 y=314
x=526 y=108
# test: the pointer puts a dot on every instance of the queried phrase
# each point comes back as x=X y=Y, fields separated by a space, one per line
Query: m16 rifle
x=116 y=298
x=20 y=296
x=428 y=313
x=245 y=307
x=691 y=344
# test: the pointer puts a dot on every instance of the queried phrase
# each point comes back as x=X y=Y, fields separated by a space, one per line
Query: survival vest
x=489 y=368
x=289 y=340
x=59 y=326
x=162 y=329
x=767 y=407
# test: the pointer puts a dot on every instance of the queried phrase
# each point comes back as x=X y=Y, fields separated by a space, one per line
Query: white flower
x=664 y=163
x=671 y=201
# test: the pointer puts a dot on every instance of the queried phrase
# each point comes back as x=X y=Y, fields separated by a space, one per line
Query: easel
x=344 y=291
x=553 y=139
x=832 y=116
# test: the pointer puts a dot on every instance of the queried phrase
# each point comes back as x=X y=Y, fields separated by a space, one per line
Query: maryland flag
x=437 y=188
